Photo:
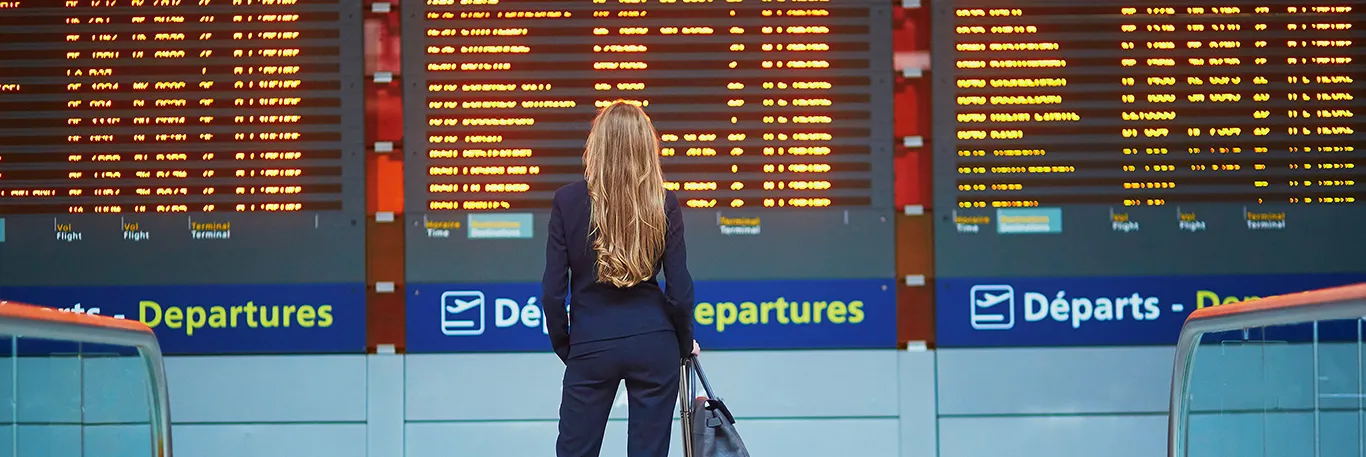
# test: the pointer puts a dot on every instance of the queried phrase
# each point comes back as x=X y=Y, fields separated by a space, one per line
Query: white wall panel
x=267 y=388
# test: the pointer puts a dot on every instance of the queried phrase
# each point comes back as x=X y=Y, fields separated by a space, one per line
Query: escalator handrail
x=1293 y=300
x=29 y=321
x=1335 y=303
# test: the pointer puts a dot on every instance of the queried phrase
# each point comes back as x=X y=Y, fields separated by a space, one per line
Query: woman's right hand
x=696 y=350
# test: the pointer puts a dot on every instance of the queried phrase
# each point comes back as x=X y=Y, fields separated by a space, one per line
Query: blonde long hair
x=626 y=186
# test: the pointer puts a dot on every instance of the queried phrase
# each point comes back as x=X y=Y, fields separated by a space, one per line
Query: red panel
x=907 y=120
x=913 y=180
x=904 y=175
x=384 y=257
x=915 y=314
x=389 y=111
x=907 y=180
x=924 y=173
x=385 y=323
x=385 y=319
x=912 y=169
x=913 y=174
x=389 y=172
x=371 y=182
x=904 y=30
x=383 y=51
x=912 y=117
x=385 y=108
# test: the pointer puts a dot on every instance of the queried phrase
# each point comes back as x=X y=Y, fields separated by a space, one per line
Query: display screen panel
x=1190 y=138
x=773 y=119
x=164 y=142
x=1103 y=169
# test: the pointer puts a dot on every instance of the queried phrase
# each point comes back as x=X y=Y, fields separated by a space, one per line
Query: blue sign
x=224 y=319
x=805 y=314
x=997 y=312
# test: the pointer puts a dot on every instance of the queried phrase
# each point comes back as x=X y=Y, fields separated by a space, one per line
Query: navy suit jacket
x=599 y=311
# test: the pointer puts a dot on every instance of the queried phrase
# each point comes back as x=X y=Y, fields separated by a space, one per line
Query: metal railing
x=1339 y=303
x=19 y=320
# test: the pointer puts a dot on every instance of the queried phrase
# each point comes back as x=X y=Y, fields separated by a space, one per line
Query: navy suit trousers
x=649 y=364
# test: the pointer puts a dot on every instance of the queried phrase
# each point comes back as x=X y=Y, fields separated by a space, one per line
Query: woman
x=614 y=231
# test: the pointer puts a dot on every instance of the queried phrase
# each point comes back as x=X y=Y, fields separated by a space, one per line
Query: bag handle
x=713 y=402
x=701 y=375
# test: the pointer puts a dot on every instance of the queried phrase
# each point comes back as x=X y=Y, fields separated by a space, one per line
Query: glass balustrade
x=1283 y=377
x=79 y=386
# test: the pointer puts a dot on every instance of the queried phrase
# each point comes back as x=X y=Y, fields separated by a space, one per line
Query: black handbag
x=708 y=426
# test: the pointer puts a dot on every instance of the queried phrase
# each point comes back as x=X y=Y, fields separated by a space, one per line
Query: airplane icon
x=987 y=312
x=462 y=313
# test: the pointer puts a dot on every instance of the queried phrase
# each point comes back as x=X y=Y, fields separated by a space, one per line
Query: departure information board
x=192 y=140
x=763 y=108
x=1221 y=134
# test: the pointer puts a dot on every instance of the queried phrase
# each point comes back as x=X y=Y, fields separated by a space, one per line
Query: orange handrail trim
x=23 y=311
x=1331 y=294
